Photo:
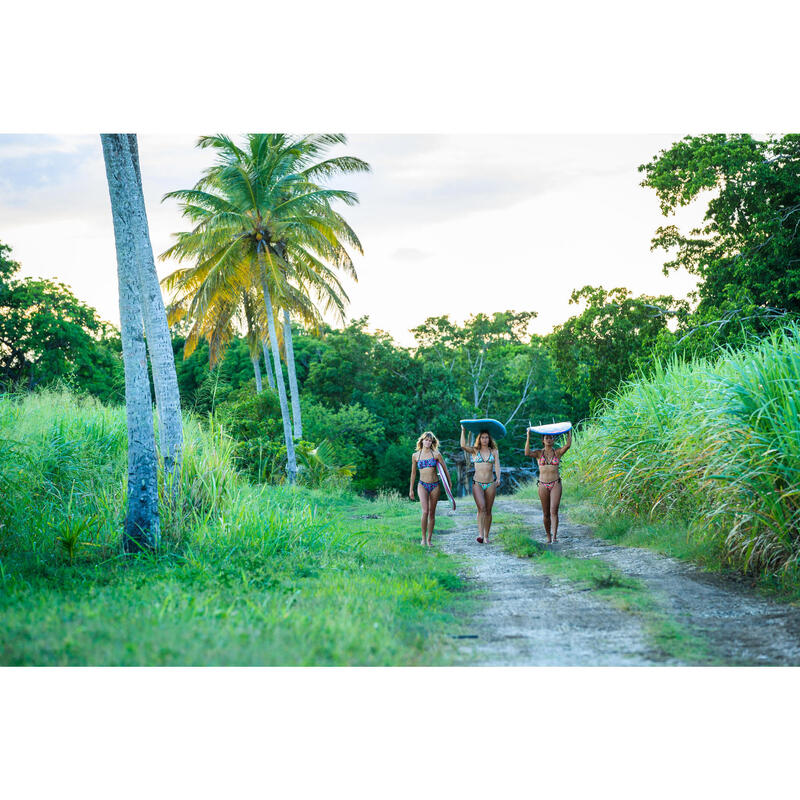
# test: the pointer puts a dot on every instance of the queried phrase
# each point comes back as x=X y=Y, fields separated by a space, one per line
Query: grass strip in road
x=626 y=594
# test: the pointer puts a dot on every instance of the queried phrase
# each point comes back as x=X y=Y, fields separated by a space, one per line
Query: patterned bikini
x=548 y=484
x=422 y=464
x=482 y=460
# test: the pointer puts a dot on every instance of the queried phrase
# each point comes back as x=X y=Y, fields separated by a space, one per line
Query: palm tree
x=310 y=238
x=159 y=341
x=259 y=213
x=142 y=527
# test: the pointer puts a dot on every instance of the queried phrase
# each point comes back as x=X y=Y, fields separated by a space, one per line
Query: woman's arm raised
x=464 y=446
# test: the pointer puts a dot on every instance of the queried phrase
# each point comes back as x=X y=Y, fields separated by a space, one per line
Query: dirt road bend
x=528 y=618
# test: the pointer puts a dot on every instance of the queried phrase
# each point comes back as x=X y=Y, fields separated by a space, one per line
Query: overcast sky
x=450 y=224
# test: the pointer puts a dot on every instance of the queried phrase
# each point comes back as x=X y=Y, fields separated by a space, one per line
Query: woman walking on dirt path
x=425 y=457
x=484 y=456
x=549 y=482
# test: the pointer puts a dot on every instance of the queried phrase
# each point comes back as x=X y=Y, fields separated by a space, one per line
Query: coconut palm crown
x=263 y=218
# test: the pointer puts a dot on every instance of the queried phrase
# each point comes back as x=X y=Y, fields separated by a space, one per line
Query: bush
x=357 y=437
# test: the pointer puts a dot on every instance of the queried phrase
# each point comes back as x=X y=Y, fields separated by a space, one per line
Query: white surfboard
x=551 y=430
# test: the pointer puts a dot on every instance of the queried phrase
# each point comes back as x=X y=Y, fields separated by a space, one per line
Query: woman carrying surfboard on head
x=549 y=483
x=431 y=465
x=486 y=459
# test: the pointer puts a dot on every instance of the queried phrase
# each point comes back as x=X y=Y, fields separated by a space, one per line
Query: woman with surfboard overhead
x=549 y=482
x=432 y=474
x=485 y=458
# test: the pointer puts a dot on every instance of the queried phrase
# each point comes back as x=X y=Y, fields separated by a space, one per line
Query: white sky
x=450 y=224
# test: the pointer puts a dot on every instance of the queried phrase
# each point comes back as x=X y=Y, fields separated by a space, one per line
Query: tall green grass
x=714 y=442
x=246 y=574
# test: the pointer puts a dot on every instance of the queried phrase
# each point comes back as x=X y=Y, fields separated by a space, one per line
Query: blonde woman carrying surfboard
x=431 y=466
x=549 y=482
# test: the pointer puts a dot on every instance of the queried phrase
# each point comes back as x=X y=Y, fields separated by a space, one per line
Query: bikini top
x=554 y=462
x=481 y=459
x=422 y=463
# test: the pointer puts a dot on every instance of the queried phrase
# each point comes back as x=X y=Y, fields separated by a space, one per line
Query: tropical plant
x=262 y=220
x=142 y=524
x=154 y=316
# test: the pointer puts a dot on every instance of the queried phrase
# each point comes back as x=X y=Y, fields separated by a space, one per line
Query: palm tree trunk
x=291 y=461
x=268 y=362
x=159 y=341
x=142 y=526
x=289 y=348
x=257 y=371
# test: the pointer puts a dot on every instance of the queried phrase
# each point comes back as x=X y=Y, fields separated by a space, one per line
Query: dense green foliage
x=611 y=339
x=747 y=251
x=246 y=574
x=712 y=441
x=48 y=334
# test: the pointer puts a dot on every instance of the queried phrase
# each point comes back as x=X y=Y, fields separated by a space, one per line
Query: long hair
x=432 y=435
x=492 y=443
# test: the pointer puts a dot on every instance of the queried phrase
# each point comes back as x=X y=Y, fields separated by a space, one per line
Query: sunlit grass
x=246 y=574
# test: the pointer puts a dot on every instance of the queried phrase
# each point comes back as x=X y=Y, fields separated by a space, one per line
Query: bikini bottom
x=548 y=484
x=429 y=486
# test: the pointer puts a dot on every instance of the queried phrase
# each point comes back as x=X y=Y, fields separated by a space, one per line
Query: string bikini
x=422 y=463
x=548 y=484
x=483 y=460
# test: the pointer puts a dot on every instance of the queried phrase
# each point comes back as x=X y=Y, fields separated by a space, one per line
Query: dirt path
x=530 y=619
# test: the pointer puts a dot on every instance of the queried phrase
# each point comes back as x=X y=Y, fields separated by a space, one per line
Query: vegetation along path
x=585 y=601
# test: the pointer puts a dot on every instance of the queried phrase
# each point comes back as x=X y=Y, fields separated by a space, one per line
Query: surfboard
x=496 y=429
x=445 y=483
x=552 y=430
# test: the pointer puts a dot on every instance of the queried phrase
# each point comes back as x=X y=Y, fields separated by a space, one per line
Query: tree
x=48 y=334
x=304 y=243
x=613 y=336
x=142 y=525
x=477 y=352
x=747 y=251
x=159 y=342
x=259 y=221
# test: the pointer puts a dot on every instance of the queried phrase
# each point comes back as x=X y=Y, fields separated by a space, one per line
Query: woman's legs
x=433 y=499
x=544 y=498
x=555 y=500
x=424 y=501
x=480 y=502
x=488 y=495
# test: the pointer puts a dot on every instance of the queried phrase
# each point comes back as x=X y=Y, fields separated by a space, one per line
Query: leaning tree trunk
x=289 y=348
x=125 y=161
x=142 y=528
x=291 y=461
x=257 y=371
x=268 y=363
